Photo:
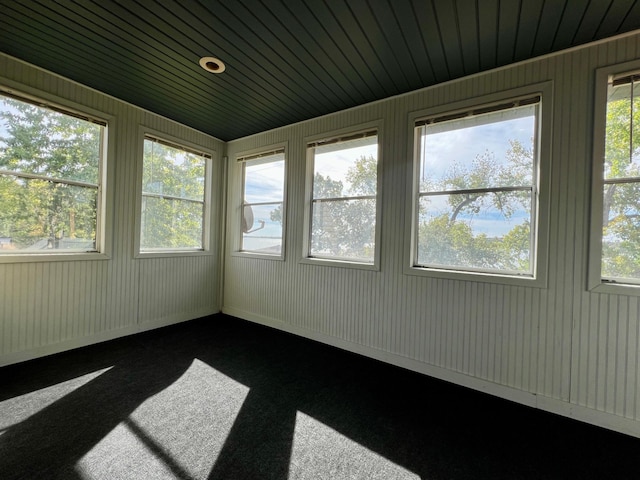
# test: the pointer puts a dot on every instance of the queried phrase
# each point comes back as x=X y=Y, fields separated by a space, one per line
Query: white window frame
x=104 y=219
x=540 y=210
x=332 y=136
x=241 y=160
x=148 y=133
x=595 y=281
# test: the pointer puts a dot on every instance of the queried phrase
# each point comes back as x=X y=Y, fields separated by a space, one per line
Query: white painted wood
x=574 y=348
x=561 y=347
x=47 y=307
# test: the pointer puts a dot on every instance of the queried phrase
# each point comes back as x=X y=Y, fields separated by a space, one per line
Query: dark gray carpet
x=221 y=398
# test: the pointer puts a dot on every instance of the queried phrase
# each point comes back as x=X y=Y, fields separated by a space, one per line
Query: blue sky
x=264 y=182
x=459 y=142
x=446 y=144
x=336 y=163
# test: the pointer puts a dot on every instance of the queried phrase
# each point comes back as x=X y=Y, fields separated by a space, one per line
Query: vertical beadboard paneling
x=47 y=305
x=173 y=287
x=560 y=342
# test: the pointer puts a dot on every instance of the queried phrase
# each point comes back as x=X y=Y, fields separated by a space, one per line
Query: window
x=477 y=187
x=174 y=188
x=618 y=179
x=263 y=213
x=51 y=165
x=343 y=198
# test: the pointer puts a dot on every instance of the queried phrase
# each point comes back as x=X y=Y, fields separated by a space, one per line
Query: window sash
x=615 y=258
x=97 y=213
x=330 y=146
x=479 y=116
x=262 y=158
x=191 y=204
x=33 y=176
x=143 y=213
x=349 y=258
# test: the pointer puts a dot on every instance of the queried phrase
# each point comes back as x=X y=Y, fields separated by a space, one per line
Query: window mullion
x=345 y=199
x=34 y=176
x=476 y=190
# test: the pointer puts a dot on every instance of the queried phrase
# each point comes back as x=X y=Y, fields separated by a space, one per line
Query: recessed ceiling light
x=212 y=64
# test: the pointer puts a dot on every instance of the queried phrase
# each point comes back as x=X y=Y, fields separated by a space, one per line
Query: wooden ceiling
x=289 y=60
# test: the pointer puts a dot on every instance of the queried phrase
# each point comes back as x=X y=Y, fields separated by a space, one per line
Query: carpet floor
x=221 y=398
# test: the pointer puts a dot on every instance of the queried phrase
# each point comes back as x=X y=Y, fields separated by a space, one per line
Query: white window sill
x=485 y=277
x=327 y=262
x=52 y=257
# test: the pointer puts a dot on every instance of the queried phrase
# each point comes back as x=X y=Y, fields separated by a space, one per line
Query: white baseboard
x=46 y=350
x=606 y=420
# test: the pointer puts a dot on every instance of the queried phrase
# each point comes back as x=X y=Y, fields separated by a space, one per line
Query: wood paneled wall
x=47 y=307
x=562 y=348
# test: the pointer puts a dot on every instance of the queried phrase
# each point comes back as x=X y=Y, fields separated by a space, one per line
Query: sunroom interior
x=356 y=186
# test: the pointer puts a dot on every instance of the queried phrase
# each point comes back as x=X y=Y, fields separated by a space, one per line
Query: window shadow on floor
x=429 y=428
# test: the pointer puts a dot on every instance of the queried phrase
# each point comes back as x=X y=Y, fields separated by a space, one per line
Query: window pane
x=40 y=141
x=173 y=198
x=262 y=228
x=621 y=231
x=622 y=137
x=263 y=207
x=489 y=231
x=490 y=150
x=171 y=224
x=172 y=172
x=264 y=181
x=38 y=216
x=344 y=229
x=346 y=169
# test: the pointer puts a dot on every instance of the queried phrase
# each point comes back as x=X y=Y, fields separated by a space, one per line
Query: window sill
x=480 y=277
x=615 y=288
x=172 y=254
x=53 y=257
x=258 y=256
x=326 y=262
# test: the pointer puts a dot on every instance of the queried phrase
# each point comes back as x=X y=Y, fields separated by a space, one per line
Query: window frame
x=330 y=136
x=240 y=161
x=179 y=143
x=595 y=282
x=539 y=214
x=104 y=196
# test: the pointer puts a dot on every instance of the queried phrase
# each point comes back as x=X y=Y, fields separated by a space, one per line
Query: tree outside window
x=477 y=190
x=621 y=189
x=173 y=197
x=50 y=164
x=344 y=198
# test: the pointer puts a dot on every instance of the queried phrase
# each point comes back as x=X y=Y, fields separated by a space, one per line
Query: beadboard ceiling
x=289 y=60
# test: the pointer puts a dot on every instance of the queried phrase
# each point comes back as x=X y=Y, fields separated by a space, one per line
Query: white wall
x=561 y=348
x=47 y=307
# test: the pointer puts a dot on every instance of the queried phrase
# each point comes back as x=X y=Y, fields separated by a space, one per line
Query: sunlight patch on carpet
x=17 y=409
x=177 y=433
x=321 y=452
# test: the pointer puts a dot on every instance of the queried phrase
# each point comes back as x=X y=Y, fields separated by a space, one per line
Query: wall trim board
x=591 y=416
x=46 y=350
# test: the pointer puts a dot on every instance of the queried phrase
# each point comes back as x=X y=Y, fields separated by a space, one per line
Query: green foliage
x=446 y=238
x=37 y=213
x=172 y=198
x=621 y=204
x=345 y=228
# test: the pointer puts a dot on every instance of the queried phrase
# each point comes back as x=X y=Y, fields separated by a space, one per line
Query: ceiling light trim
x=212 y=64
